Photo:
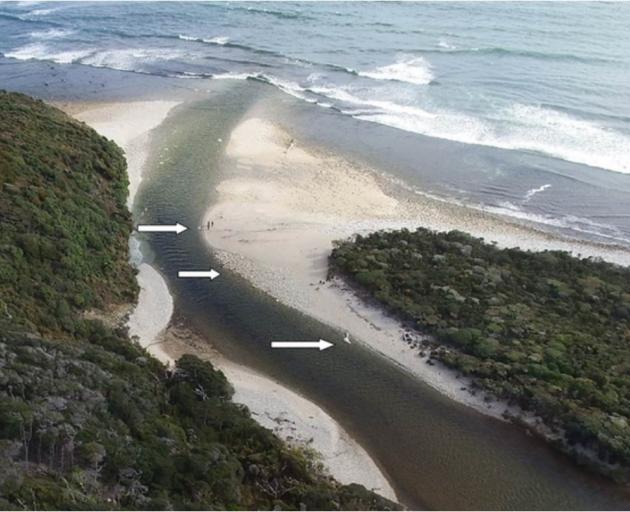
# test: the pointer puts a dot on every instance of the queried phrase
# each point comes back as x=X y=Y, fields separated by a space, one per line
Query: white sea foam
x=128 y=59
x=519 y=127
x=220 y=40
x=413 y=70
x=443 y=43
x=531 y=193
x=42 y=12
x=289 y=87
x=40 y=51
x=233 y=76
x=563 y=136
x=53 y=33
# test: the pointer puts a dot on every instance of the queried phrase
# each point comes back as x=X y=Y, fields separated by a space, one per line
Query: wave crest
x=53 y=33
x=413 y=70
x=128 y=59
x=532 y=192
x=40 y=51
x=220 y=40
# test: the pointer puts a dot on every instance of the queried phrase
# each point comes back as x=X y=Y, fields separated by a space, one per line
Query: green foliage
x=546 y=330
x=82 y=426
x=64 y=227
x=88 y=420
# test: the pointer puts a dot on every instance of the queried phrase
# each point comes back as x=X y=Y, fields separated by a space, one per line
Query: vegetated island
x=544 y=330
x=88 y=419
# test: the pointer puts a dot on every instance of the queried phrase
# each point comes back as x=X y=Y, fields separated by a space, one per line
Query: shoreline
x=130 y=125
x=293 y=418
x=271 y=404
x=300 y=200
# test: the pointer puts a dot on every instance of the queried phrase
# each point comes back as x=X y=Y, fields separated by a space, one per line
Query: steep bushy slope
x=87 y=418
x=64 y=227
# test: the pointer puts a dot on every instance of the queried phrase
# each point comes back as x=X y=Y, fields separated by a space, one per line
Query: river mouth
x=436 y=453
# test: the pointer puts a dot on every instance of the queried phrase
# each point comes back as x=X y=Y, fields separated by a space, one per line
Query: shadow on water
x=435 y=452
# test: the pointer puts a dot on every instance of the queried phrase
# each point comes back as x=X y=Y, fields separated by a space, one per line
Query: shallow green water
x=435 y=452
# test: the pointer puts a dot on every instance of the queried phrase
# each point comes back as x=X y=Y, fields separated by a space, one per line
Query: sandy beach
x=280 y=207
x=292 y=417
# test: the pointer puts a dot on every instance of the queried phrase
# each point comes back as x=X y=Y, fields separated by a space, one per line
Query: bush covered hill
x=546 y=330
x=64 y=226
x=88 y=420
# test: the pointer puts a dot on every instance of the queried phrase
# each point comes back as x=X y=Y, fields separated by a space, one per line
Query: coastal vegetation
x=88 y=419
x=64 y=227
x=544 y=330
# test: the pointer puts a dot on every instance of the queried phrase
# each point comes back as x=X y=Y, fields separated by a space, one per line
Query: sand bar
x=281 y=205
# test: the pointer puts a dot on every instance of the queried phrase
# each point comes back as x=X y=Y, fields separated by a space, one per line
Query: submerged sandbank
x=289 y=415
x=281 y=205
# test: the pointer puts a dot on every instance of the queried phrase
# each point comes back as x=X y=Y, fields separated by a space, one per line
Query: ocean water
x=545 y=79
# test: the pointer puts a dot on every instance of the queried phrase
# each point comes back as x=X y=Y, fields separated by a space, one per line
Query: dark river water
x=435 y=452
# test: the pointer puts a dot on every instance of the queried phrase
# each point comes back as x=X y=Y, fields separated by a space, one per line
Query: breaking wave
x=53 y=33
x=219 y=40
x=130 y=59
x=41 y=51
x=414 y=70
x=531 y=193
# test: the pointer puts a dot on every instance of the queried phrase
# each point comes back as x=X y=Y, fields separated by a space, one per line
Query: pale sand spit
x=129 y=125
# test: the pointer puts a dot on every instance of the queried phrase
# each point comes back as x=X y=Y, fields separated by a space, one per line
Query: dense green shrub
x=547 y=330
x=102 y=425
x=64 y=227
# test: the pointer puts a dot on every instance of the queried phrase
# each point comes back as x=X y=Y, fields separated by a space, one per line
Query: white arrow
x=321 y=344
x=212 y=274
x=153 y=228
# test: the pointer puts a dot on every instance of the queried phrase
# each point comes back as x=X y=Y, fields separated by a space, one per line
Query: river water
x=435 y=452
